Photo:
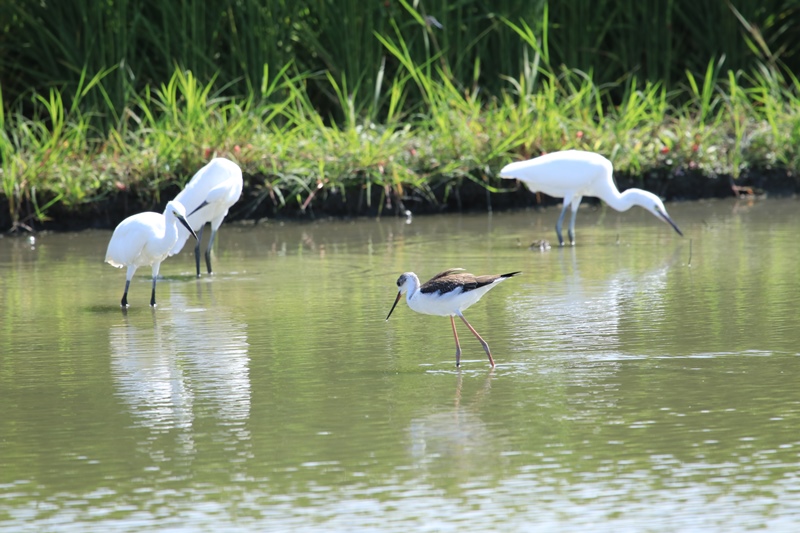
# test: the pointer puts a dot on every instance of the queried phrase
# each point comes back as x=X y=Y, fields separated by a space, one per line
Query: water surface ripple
x=644 y=382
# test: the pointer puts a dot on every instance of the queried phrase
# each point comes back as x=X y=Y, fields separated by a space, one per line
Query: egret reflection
x=176 y=368
x=578 y=313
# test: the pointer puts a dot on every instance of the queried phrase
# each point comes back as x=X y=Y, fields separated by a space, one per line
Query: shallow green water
x=644 y=382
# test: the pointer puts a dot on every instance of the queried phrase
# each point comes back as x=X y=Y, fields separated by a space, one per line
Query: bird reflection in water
x=581 y=314
x=180 y=368
x=455 y=438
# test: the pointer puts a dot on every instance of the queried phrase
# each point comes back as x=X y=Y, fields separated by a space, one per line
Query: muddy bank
x=454 y=196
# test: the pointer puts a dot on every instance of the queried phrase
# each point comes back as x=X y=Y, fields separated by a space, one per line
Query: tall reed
x=46 y=44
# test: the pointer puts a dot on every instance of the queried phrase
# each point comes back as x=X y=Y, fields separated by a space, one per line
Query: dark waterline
x=671 y=184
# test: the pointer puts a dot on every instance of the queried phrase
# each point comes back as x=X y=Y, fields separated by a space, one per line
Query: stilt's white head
x=408 y=281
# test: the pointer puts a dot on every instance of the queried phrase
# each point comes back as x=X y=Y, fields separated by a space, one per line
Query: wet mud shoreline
x=464 y=196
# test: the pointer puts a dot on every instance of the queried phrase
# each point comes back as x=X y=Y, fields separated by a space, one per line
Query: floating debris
x=541 y=245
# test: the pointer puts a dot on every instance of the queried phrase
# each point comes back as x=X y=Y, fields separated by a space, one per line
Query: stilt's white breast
x=448 y=303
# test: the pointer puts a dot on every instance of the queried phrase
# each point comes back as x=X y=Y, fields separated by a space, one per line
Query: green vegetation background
x=356 y=107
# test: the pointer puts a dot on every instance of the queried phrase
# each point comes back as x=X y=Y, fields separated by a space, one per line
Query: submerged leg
x=458 y=346
x=561 y=221
x=571 y=230
x=197 y=249
x=124 y=302
x=155 y=277
x=128 y=277
x=483 y=342
x=208 y=249
x=153 y=294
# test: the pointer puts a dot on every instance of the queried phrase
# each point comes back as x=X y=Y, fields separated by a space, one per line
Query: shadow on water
x=107 y=309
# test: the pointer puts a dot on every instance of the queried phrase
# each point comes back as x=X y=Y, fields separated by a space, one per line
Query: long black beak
x=198 y=208
x=183 y=221
x=399 y=294
x=670 y=222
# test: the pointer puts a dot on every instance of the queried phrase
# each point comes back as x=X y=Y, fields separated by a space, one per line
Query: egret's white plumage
x=573 y=174
x=207 y=197
x=448 y=293
x=146 y=239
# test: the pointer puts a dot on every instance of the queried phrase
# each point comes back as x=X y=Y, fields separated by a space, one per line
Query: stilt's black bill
x=399 y=294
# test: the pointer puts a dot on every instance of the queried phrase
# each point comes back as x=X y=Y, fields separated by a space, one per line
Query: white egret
x=146 y=239
x=573 y=174
x=207 y=197
x=448 y=293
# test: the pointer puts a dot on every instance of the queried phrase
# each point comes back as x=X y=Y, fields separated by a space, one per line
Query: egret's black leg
x=197 y=249
x=561 y=222
x=575 y=203
x=571 y=229
x=208 y=249
x=153 y=294
x=124 y=302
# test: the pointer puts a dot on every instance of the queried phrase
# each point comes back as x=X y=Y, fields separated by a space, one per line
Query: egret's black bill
x=198 y=208
x=186 y=225
x=399 y=294
x=670 y=222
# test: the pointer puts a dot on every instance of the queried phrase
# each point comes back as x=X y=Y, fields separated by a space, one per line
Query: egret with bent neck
x=573 y=174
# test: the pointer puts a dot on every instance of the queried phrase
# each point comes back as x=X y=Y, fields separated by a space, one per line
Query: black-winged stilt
x=448 y=293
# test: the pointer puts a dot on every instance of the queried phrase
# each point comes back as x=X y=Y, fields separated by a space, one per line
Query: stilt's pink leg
x=458 y=346
x=483 y=342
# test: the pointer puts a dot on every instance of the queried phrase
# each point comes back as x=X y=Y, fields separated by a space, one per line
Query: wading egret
x=448 y=293
x=573 y=174
x=207 y=197
x=146 y=239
